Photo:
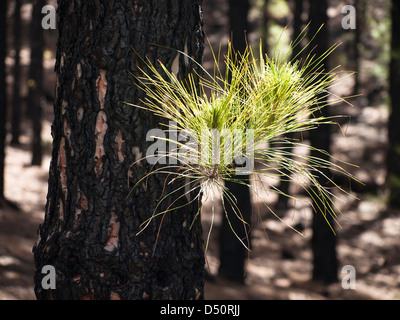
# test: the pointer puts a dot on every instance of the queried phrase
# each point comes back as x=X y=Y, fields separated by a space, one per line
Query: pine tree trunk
x=393 y=157
x=232 y=253
x=238 y=11
x=323 y=241
x=356 y=44
x=16 y=105
x=284 y=185
x=90 y=229
x=36 y=81
x=3 y=92
x=264 y=30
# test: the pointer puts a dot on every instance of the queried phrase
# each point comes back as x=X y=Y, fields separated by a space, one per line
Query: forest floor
x=280 y=263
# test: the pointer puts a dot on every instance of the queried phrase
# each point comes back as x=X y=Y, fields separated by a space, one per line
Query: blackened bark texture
x=90 y=229
x=232 y=253
x=323 y=240
x=3 y=92
x=16 y=102
x=393 y=157
x=36 y=81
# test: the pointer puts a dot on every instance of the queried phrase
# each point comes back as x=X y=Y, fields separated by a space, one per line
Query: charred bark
x=3 y=92
x=36 y=82
x=323 y=242
x=239 y=26
x=16 y=105
x=393 y=157
x=359 y=7
x=90 y=229
x=284 y=185
x=232 y=253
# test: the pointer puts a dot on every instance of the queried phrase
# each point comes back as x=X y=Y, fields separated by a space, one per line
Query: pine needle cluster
x=238 y=120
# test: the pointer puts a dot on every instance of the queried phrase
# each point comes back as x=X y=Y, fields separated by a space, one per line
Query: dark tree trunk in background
x=232 y=253
x=265 y=25
x=36 y=81
x=238 y=22
x=284 y=185
x=325 y=264
x=3 y=93
x=90 y=229
x=393 y=157
x=16 y=103
x=356 y=44
x=297 y=26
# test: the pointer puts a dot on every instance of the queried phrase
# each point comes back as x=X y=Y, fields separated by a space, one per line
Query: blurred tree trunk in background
x=297 y=26
x=90 y=232
x=232 y=253
x=3 y=93
x=283 y=201
x=265 y=25
x=16 y=102
x=356 y=44
x=393 y=156
x=238 y=22
x=323 y=243
x=35 y=81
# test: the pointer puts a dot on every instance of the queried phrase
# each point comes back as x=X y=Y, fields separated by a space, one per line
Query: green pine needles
x=237 y=122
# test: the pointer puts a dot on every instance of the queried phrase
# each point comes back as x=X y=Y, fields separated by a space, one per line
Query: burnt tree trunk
x=356 y=44
x=323 y=242
x=16 y=104
x=90 y=229
x=264 y=28
x=393 y=157
x=284 y=184
x=3 y=93
x=232 y=253
x=297 y=27
x=36 y=81
x=238 y=23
